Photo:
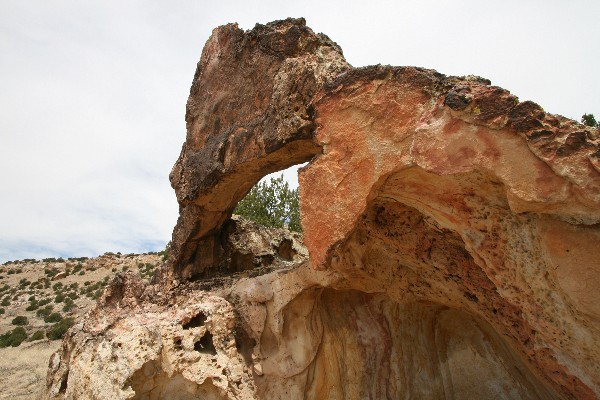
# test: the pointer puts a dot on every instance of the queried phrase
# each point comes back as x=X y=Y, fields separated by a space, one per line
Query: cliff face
x=451 y=234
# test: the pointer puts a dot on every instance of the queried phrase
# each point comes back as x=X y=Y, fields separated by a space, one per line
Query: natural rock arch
x=452 y=234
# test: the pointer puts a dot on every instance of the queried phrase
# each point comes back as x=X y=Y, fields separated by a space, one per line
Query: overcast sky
x=92 y=94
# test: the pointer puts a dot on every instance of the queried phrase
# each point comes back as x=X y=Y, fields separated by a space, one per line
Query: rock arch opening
x=274 y=201
x=219 y=253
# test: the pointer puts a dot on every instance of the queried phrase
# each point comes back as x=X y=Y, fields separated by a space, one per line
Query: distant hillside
x=40 y=300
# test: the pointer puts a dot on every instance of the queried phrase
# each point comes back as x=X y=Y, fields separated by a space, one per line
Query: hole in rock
x=151 y=382
x=471 y=297
x=286 y=250
x=274 y=201
x=177 y=343
x=266 y=260
x=205 y=345
x=196 y=321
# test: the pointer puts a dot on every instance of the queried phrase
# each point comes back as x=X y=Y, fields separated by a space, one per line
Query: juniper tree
x=589 y=120
x=272 y=204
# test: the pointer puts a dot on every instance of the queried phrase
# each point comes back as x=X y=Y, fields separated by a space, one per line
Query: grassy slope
x=23 y=368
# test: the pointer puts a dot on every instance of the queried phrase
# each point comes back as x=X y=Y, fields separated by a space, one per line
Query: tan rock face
x=451 y=234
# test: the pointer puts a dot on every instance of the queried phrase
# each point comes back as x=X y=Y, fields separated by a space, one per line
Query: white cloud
x=93 y=94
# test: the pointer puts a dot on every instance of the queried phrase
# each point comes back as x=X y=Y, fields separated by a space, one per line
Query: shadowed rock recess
x=451 y=238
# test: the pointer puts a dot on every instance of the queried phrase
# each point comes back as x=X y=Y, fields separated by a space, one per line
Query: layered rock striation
x=450 y=234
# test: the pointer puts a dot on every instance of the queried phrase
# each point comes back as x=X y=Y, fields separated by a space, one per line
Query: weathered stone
x=249 y=113
x=452 y=235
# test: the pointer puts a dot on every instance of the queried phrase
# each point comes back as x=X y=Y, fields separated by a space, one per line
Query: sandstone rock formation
x=451 y=233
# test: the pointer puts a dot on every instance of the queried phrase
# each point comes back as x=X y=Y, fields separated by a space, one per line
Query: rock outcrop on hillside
x=451 y=233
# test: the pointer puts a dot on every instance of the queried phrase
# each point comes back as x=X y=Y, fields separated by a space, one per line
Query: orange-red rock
x=451 y=233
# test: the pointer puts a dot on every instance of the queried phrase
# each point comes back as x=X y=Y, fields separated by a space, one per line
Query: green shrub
x=69 y=305
x=20 y=320
x=54 y=317
x=272 y=204
x=44 y=312
x=58 y=330
x=38 y=335
x=43 y=302
x=165 y=253
x=590 y=120
x=32 y=306
x=2 y=311
x=6 y=302
x=13 y=338
x=59 y=298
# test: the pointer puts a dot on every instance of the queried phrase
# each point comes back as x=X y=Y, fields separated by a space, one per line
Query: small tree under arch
x=272 y=204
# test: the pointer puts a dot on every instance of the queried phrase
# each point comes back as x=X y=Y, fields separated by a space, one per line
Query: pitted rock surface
x=451 y=237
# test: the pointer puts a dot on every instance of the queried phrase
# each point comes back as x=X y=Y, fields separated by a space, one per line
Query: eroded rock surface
x=249 y=113
x=451 y=229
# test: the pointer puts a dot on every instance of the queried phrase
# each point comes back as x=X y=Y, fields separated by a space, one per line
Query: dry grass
x=23 y=369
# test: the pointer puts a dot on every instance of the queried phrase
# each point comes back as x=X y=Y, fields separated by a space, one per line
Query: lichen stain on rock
x=451 y=237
